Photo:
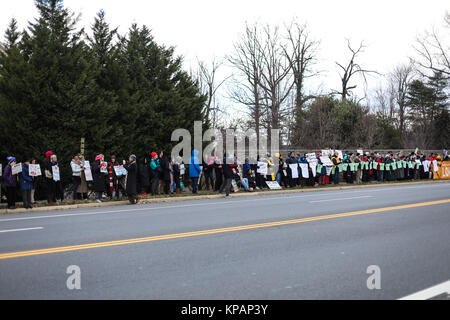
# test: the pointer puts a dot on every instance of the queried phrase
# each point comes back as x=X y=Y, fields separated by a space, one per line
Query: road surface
x=316 y=245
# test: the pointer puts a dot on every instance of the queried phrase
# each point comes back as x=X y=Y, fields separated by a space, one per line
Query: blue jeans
x=278 y=177
x=380 y=175
x=336 y=177
x=244 y=183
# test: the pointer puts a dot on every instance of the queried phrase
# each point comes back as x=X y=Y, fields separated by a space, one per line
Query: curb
x=215 y=196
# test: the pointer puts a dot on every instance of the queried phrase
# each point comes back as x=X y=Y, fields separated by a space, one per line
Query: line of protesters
x=160 y=174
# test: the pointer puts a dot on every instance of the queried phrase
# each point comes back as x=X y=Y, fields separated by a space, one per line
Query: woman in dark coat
x=144 y=176
x=99 y=177
x=165 y=166
x=131 y=167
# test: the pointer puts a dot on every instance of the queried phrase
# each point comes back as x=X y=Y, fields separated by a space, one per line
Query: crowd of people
x=158 y=173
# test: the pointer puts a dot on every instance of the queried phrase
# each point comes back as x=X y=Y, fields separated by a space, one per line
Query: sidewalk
x=177 y=198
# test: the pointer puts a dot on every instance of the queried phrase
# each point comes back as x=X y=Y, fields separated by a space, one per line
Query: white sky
x=204 y=29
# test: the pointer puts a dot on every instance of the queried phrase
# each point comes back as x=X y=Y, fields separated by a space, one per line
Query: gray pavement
x=324 y=259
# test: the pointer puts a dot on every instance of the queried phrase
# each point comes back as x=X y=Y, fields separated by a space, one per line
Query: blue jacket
x=26 y=182
x=194 y=165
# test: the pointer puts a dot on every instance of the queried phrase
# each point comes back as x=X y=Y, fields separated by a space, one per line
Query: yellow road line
x=211 y=231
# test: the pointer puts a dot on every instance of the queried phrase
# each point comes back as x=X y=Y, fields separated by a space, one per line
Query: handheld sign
x=262 y=168
x=87 y=171
x=35 y=170
x=16 y=169
x=55 y=171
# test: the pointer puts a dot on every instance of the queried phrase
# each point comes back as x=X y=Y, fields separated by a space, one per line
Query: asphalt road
x=235 y=248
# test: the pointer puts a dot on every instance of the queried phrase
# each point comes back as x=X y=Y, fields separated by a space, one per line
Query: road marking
x=16 y=230
x=340 y=199
x=20 y=254
x=259 y=199
x=430 y=292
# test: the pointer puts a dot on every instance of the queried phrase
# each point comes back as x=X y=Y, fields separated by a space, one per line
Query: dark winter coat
x=26 y=182
x=131 y=178
x=165 y=166
x=99 y=178
x=144 y=173
x=10 y=180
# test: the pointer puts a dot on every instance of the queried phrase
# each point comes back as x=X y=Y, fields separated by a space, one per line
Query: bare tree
x=208 y=85
x=275 y=76
x=351 y=69
x=400 y=79
x=433 y=52
x=301 y=51
x=247 y=59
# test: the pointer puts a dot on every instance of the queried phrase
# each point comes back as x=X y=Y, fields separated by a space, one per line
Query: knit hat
x=10 y=159
x=154 y=154
x=48 y=154
x=98 y=157
x=133 y=157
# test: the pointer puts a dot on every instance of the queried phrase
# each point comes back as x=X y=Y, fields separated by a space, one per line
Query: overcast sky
x=207 y=28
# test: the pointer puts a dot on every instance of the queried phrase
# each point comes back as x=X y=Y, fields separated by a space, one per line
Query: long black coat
x=144 y=174
x=99 y=178
x=165 y=166
x=131 y=178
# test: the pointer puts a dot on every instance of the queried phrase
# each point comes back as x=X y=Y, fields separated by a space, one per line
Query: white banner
x=305 y=171
x=294 y=170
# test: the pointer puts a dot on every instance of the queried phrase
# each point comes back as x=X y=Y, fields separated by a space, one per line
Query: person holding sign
x=77 y=168
x=35 y=178
x=98 y=174
x=48 y=176
x=26 y=184
x=59 y=195
x=10 y=181
x=336 y=162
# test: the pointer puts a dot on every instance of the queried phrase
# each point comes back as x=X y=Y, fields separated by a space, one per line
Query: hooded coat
x=194 y=165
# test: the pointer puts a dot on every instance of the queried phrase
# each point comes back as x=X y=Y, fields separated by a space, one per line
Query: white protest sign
x=305 y=172
x=435 y=166
x=360 y=151
x=103 y=168
x=35 y=170
x=120 y=170
x=16 y=169
x=311 y=158
x=326 y=161
x=1 y=169
x=181 y=169
x=262 y=168
x=55 y=171
x=294 y=170
x=327 y=152
x=340 y=155
x=273 y=185
x=87 y=171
